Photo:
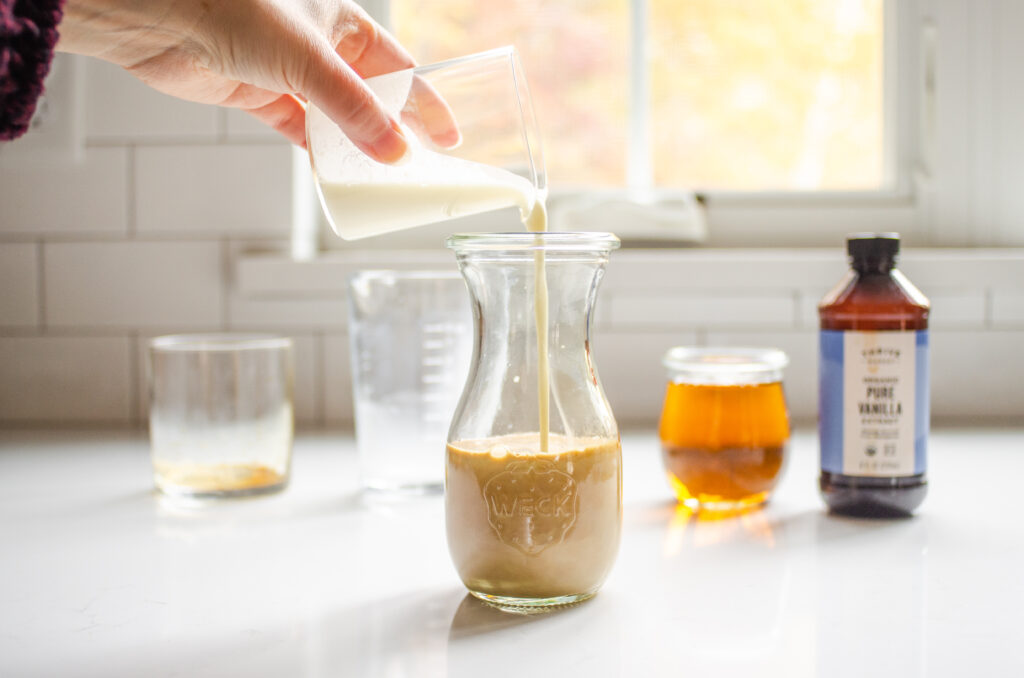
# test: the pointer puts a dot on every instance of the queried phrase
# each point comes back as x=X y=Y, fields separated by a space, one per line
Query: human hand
x=261 y=56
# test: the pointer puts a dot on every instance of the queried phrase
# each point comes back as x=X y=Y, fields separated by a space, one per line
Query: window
x=766 y=95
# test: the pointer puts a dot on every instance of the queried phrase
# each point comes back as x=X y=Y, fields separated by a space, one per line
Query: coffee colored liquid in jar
x=532 y=525
x=724 y=427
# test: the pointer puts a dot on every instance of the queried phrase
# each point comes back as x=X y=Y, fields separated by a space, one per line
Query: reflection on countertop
x=99 y=575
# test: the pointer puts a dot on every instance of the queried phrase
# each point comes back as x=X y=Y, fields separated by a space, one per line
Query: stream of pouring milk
x=537 y=221
x=435 y=187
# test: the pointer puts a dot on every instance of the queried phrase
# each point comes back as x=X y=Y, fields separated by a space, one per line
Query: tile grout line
x=225 y=281
x=320 y=379
x=222 y=125
x=135 y=376
x=41 y=284
x=108 y=331
x=130 y=189
x=988 y=321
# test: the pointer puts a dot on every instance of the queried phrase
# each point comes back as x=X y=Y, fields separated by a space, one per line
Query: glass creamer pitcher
x=534 y=512
x=473 y=140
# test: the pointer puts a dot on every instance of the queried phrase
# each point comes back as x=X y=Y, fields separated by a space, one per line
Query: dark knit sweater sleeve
x=28 y=33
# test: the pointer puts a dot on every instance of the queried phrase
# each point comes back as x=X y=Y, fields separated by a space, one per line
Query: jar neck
x=505 y=283
x=873 y=265
x=506 y=377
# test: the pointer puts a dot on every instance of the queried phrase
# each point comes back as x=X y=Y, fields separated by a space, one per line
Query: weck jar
x=533 y=486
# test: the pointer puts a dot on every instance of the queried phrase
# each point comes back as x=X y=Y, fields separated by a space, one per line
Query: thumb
x=339 y=92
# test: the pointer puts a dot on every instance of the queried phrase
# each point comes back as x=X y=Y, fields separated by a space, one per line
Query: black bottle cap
x=873 y=251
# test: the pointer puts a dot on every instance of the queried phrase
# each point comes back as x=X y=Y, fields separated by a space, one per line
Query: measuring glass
x=474 y=147
x=411 y=338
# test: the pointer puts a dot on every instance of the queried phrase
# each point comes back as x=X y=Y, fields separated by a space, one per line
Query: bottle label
x=873 y=402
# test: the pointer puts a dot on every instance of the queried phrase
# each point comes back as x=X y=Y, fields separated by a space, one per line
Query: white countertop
x=100 y=576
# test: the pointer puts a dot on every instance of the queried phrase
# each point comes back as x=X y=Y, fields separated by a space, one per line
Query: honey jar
x=724 y=427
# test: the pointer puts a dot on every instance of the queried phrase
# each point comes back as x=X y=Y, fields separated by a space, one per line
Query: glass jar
x=533 y=499
x=221 y=413
x=724 y=427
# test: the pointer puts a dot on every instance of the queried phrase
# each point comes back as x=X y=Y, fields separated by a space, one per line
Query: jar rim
x=725 y=365
x=219 y=341
x=534 y=240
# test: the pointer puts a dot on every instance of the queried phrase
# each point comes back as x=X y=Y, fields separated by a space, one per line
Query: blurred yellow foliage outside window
x=744 y=94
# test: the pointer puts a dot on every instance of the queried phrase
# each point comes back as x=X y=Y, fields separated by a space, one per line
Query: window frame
x=787 y=218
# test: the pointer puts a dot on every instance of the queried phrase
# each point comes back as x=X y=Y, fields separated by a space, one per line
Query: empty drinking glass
x=220 y=413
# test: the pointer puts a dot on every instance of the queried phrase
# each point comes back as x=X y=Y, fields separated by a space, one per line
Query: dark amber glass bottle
x=873 y=371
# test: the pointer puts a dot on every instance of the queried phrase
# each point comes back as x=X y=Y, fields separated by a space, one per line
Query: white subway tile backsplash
x=661 y=300
x=807 y=306
x=65 y=379
x=204 y=190
x=328 y=273
x=120 y=107
x=739 y=269
x=246 y=312
x=86 y=198
x=664 y=309
x=932 y=269
x=243 y=127
x=19 y=284
x=1008 y=308
x=715 y=269
x=977 y=374
x=337 y=374
x=957 y=309
x=800 y=378
x=308 y=396
x=133 y=284
x=629 y=365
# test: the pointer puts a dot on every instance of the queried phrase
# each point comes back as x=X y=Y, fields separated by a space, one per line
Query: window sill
x=646 y=268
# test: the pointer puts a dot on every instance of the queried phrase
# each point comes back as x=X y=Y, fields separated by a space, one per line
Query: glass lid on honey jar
x=725 y=366
x=724 y=426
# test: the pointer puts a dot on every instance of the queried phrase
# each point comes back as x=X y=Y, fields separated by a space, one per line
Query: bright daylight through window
x=769 y=95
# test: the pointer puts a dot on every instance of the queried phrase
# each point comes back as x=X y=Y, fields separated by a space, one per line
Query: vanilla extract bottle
x=873 y=385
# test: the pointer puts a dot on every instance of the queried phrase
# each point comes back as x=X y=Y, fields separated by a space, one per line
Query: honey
x=217 y=478
x=724 y=427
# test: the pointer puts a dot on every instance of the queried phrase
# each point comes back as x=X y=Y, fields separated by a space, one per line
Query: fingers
x=286 y=115
x=366 y=47
x=430 y=115
x=370 y=50
x=334 y=87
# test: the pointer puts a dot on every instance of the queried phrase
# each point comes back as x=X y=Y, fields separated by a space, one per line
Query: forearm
x=250 y=54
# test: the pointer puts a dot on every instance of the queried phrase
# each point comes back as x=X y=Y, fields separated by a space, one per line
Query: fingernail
x=451 y=139
x=391 y=148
